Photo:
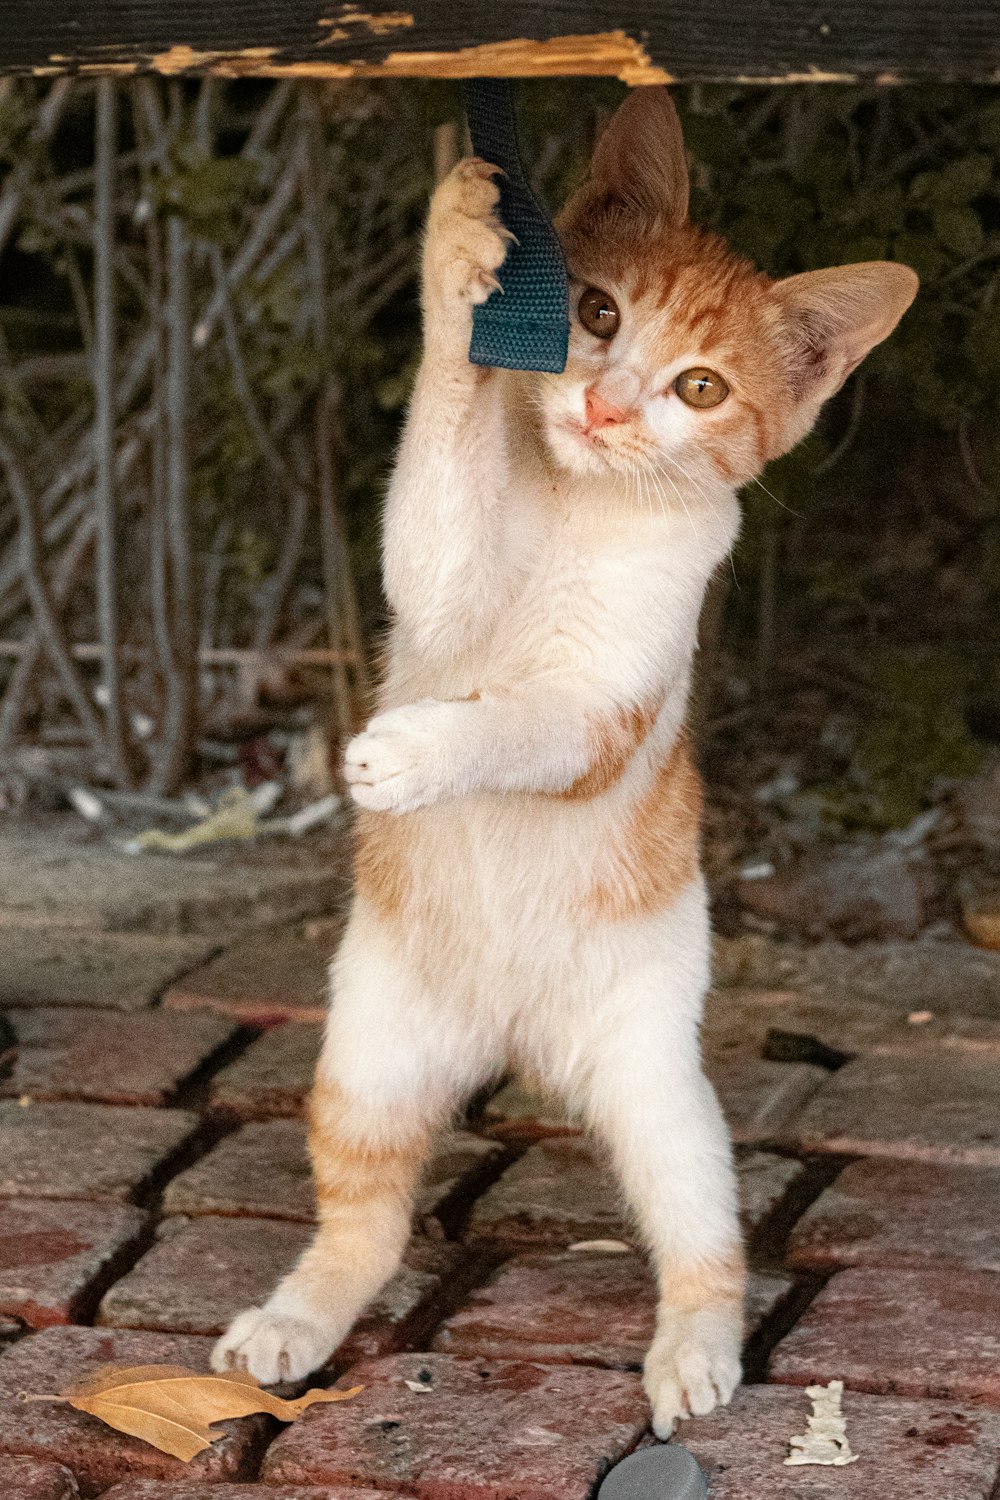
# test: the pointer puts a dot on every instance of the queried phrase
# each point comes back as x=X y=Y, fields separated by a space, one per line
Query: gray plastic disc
x=663 y=1473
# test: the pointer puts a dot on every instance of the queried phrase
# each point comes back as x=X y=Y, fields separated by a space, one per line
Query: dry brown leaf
x=173 y=1408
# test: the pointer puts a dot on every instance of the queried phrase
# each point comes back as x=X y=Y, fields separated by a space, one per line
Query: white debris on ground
x=825 y=1438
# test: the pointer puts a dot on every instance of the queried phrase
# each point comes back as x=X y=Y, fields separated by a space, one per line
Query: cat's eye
x=701 y=388
x=599 y=313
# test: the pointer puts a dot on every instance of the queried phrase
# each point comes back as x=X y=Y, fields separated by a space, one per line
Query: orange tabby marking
x=656 y=854
x=614 y=740
x=350 y=1170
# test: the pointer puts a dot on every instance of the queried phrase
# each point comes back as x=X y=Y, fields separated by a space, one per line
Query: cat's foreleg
x=384 y=1081
x=444 y=563
x=649 y=1100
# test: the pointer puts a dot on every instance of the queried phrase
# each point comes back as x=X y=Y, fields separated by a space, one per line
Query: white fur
x=559 y=582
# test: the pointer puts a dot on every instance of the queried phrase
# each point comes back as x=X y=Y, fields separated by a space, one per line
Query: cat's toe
x=271 y=1346
x=692 y=1367
x=466 y=243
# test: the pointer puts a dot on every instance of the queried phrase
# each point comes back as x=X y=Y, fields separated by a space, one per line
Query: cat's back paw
x=466 y=242
x=272 y=1346
x=693 y=1366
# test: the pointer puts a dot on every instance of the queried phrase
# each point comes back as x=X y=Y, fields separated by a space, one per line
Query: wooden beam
x=638 y=41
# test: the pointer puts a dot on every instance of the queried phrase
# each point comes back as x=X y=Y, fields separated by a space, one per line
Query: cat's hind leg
x=388 y=1075
x=646 y=1096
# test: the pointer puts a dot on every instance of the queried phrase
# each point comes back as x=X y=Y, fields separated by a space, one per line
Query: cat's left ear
x=638 y=168
x=833 y=318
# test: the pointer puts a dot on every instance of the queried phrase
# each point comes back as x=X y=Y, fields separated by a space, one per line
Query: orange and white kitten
x=527 y=869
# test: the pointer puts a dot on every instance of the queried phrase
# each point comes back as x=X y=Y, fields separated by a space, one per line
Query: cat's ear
x=638 y=166
x=835 y=317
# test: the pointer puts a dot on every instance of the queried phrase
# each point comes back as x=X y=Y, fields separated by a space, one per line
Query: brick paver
x=271 y=976
x=488 y=1430
x=201 y=1272
x=27 y=1479
x=263 y=1171
x=87 y=1150
x=273 y=1076
x=65 y=1054
x=70 y=966
x=159 y=1489
x=931 y=1333
x=557 y=1193
x=518 y=1113
x=50 y=1361
x=560 y=1192
x=907 y=1450
x=939 y=1106
x=55 y=1257
x=759 y=1097
x=574 y=1306
x=881 y=1212
x=737 y=1019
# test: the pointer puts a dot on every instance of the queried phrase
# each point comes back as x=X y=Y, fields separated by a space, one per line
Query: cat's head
x=684 y=359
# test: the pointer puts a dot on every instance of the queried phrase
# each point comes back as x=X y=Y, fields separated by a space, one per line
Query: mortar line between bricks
x=193 y=1091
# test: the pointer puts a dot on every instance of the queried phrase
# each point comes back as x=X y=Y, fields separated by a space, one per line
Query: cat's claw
x=466 y=242
x=692 y=1366
x=273 y=1347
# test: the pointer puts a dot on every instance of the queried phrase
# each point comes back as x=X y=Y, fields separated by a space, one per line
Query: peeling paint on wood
x=609 y=54
x=639 y=41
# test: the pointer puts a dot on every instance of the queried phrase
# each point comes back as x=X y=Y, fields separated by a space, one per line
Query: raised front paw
x=466 y=243
x=693 y=1365
x=273 y=1346
x=399 y=763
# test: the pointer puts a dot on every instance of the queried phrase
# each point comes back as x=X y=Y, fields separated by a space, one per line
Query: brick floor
x=271 y=976
x=55 y=1257
x=50 y=1361
x=560 y=1192
x=87 y=1150
x=759 y=1097
x=488 y=1430
x=737 y=1018
x=557 y=1193
x=158 y=1489
x=907 y=1450
x=273 y=1076
x=932 y=1333
x=201 y=1272
x=881 y=1212
x=65 y=1054
x=70 y=966
x=574 y=1306
x=940 y=1106
x=518 y=1113
x=27 y=1479
x=262 y=1170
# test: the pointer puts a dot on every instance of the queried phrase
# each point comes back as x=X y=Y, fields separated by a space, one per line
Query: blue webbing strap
x=526 y=326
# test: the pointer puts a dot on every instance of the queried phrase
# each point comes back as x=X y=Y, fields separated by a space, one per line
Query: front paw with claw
x=693 y=1365
x=273 y=1346
x=466 y=242
x=400 y=762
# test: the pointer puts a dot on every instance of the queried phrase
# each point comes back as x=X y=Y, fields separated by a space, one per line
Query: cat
x=528 y=891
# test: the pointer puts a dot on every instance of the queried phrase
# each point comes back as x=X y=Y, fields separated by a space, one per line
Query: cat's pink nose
x=600 y=413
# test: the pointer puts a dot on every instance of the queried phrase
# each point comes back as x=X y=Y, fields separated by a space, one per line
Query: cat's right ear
x=638 y=167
